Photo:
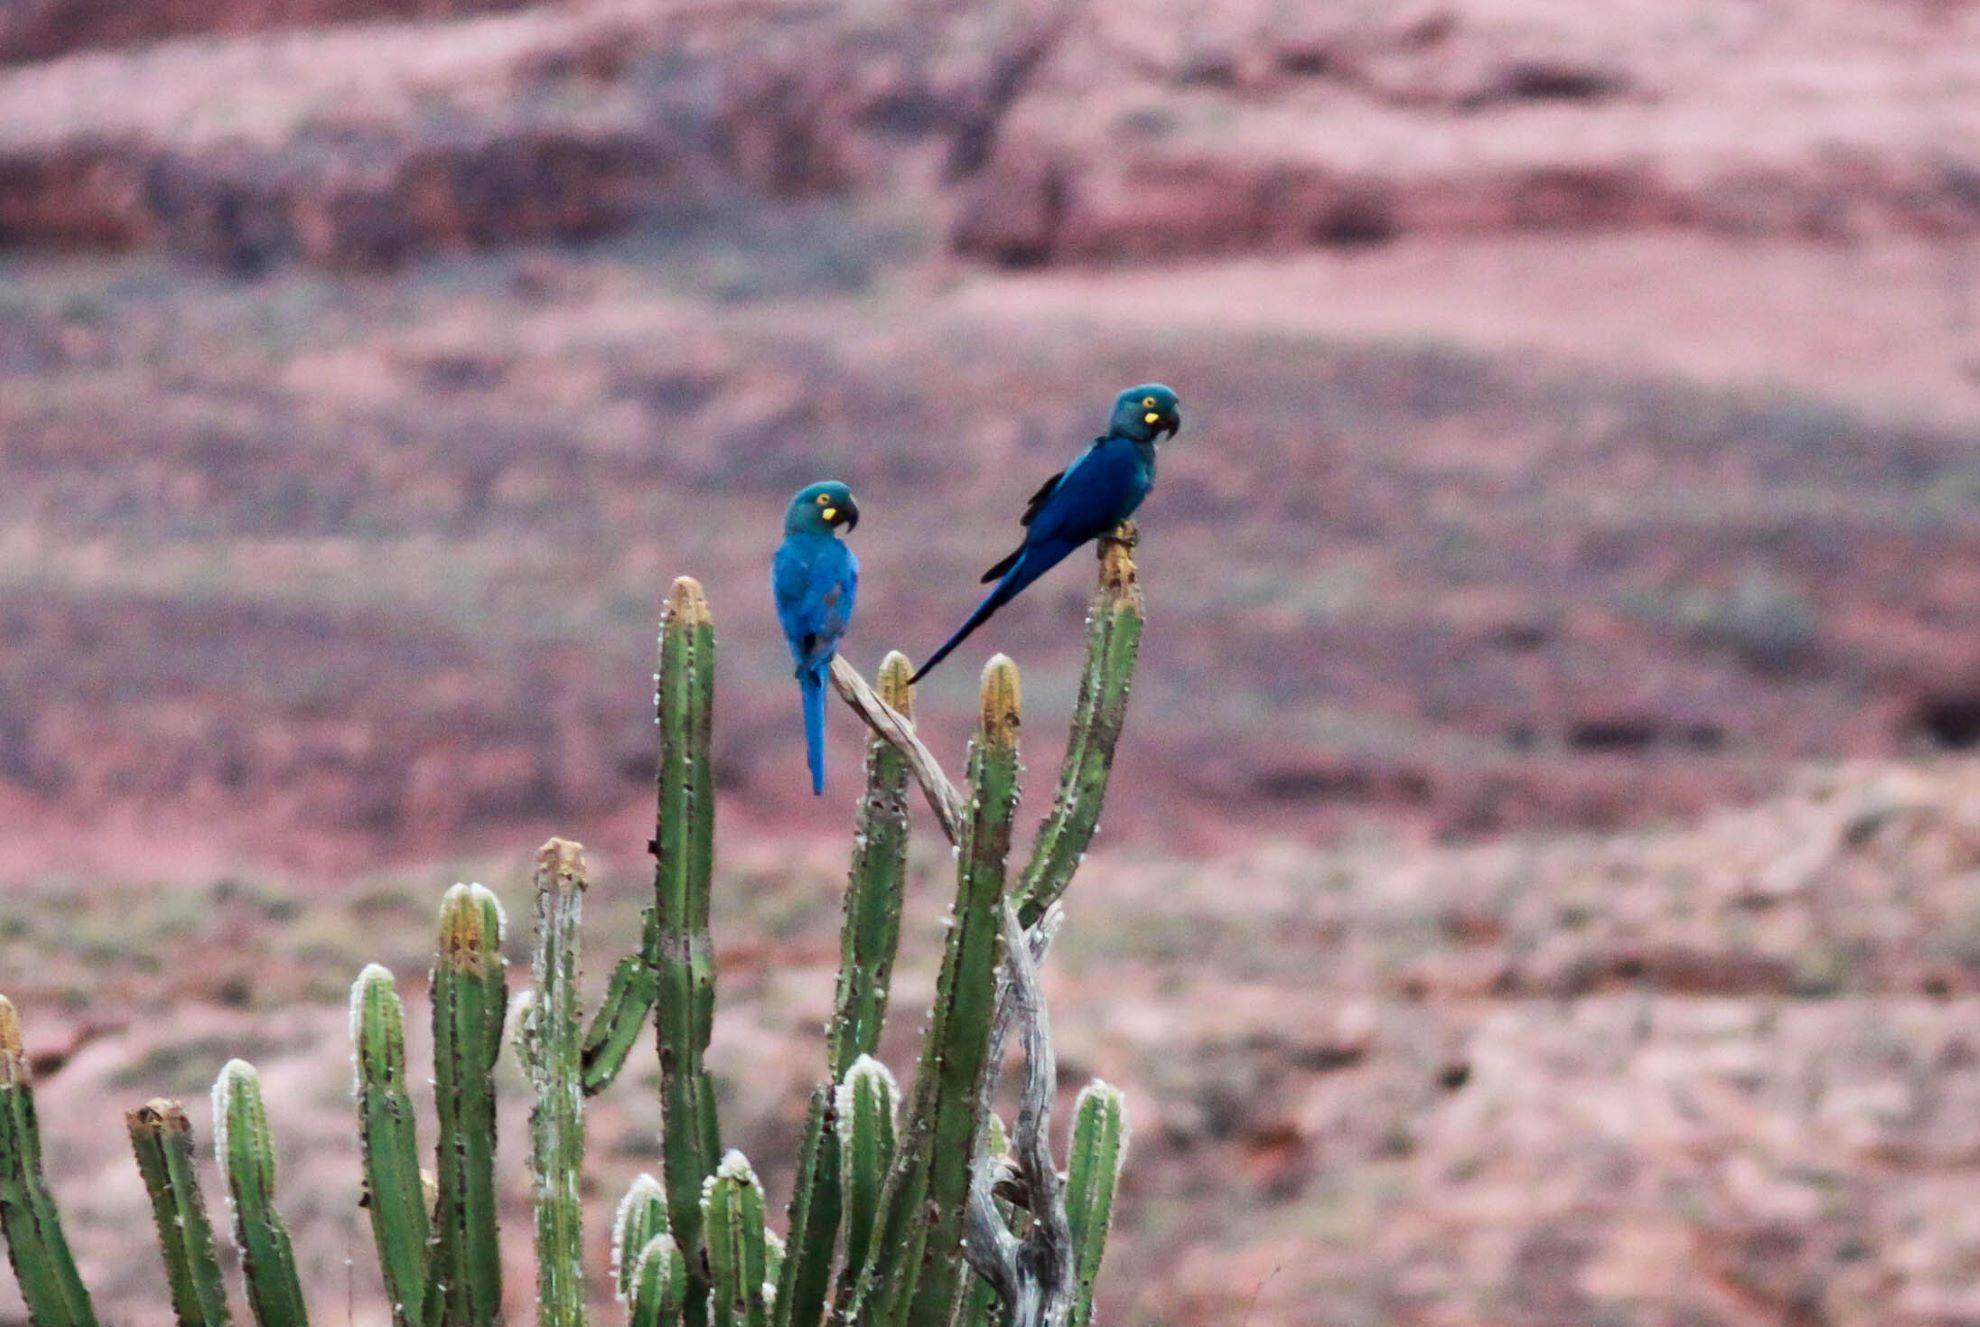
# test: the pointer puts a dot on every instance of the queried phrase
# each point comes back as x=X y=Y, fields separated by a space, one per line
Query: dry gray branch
x=892 y=725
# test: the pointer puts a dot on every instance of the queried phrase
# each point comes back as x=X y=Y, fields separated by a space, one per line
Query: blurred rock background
x=1539 y=885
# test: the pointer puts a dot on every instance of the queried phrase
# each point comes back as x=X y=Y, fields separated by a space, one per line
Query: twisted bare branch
x=898 y=730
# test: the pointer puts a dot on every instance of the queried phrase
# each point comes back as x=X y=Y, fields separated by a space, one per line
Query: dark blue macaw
x=1082 y=502
x=815 y=578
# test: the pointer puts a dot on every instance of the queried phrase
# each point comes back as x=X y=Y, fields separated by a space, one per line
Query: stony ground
x=1721 y=1075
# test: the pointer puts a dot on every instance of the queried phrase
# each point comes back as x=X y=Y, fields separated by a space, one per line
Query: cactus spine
x=1113 y=640
x=161 y=1138
x=738 y=1253
x=914 y=1273
x=394 y=1192
x=245 y=1148
x=43 y=1265
x=556 y=1126
x=470 y=1003
x=1099 y=1149
x=683 y=864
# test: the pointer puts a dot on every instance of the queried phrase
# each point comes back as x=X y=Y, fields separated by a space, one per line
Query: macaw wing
x=1085 y=501
x=1038 y=499
x=827 y=609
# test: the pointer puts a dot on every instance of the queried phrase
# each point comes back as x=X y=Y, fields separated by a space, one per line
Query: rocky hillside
x=1037 y=130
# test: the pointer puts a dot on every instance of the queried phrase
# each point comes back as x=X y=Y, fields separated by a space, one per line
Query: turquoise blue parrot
x=815 y=579
x=1082 y=502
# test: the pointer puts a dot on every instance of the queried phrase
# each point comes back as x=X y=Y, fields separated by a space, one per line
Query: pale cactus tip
x=560 y=865
x=735 y=1166
x=12 y=1041
x=1001 y=699
x=471 y=927
x=896 y=673
x=687 y=603
x=160 y=1115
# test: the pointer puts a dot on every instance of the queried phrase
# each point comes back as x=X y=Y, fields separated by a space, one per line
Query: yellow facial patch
x=830 y=513
x=1150 y=417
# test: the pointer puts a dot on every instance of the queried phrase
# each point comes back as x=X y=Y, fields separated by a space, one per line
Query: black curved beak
x=1170 y=426
x=848 y=516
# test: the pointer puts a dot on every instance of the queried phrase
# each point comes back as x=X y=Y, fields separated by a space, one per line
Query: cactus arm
x=867 y=1107
x=738 y=1253
x=685 y=969
x=394 y=1193
x=804 y=1277
x=161 y=1138
x=245 y=1148
x=913 y=1276
x=615 y=1031
x=868 y=941
x=39 y=1252
x=1113 y=640
x=642 y=1216
x=871 y=933
x=470 y=1002
x=1099 y=1149
x=657 y=1284
x=556 y=1123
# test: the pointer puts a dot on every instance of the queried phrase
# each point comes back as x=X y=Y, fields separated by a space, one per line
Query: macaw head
x=1146 y=413
x=821 y=509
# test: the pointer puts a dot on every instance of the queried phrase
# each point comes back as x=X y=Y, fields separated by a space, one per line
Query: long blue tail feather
x=812 y=682
x=1033 y=561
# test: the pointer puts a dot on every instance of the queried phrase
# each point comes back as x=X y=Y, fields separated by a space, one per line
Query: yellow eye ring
x=824 y=499
x=1147 y=403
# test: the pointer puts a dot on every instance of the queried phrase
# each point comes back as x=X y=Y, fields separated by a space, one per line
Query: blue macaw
x=815 y=578
x=1082 y=502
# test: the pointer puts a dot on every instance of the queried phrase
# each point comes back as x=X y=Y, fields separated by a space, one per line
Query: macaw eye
x=824 y=499
x=1148 y=403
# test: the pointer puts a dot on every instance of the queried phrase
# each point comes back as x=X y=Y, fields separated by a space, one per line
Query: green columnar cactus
x=1099 y=1149
x=658 y=1284
x=868 y=941
x=913 y=1275
x=394 y=1191
x=556 y=1126
x=642 y=1215
x=897 y=1209
x=737 y=1252
x=470 y=1003
x=867 y=1107
x=245 y=1148
x=1113 y=640
x=43 y=1265
x=161 y=1137
x=683 y=865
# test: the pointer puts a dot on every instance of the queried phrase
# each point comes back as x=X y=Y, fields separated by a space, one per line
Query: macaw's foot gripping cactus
x=919 y=1217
